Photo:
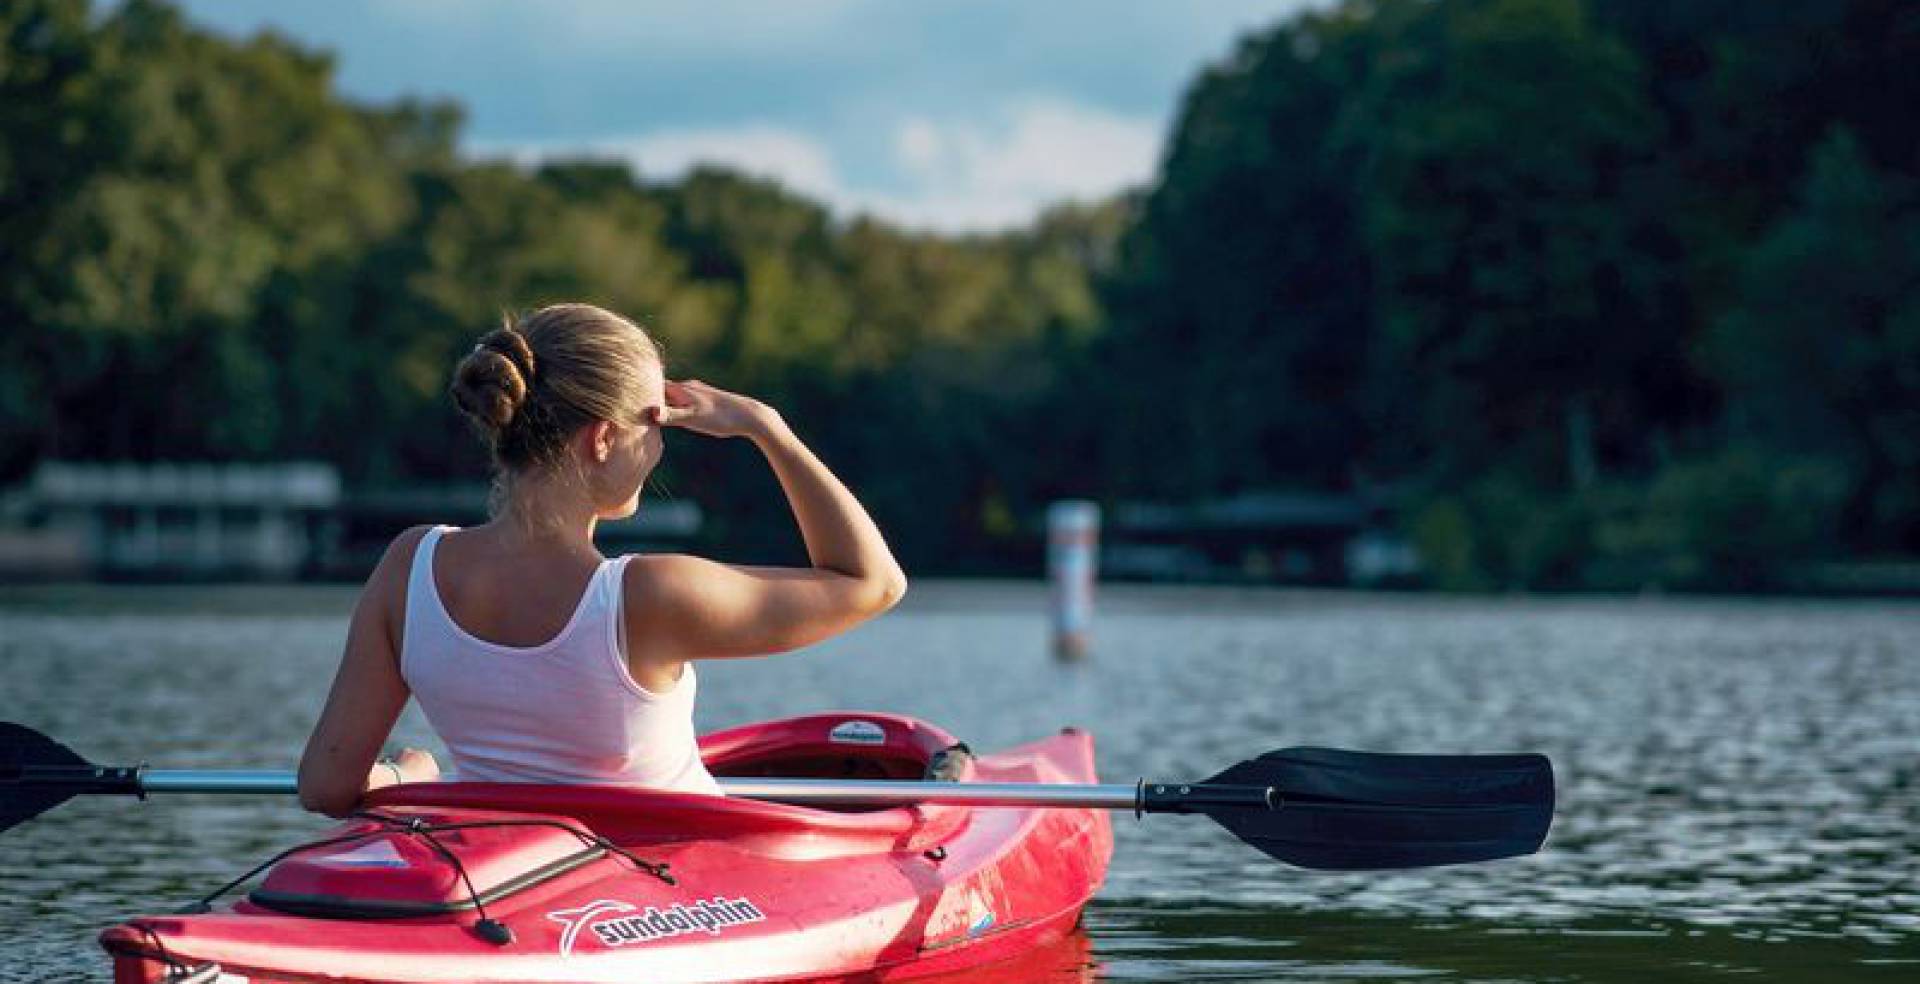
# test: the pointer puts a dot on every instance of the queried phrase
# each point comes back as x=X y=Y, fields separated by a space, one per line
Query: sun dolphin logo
x=616 y=923
x=575 y=919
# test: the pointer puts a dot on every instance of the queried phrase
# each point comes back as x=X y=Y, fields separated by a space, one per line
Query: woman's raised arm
x=685 y=607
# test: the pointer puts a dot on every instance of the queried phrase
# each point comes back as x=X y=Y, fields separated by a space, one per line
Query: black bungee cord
x=487 y=928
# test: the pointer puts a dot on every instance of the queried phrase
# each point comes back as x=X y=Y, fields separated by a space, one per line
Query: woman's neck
x=548 y=513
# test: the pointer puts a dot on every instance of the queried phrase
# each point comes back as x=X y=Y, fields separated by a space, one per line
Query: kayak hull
x=759 y=891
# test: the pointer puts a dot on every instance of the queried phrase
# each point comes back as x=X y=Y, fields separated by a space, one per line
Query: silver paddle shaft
x=217 y=781
x=889 y=792
x=836 y=792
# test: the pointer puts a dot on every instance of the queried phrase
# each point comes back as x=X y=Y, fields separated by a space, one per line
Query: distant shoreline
x=929 y=595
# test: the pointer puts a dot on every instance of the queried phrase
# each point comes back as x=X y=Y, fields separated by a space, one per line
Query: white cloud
x=919 y=145
x=952 y=175
x=794 y=159
x=1043 y=152
x=713 y=27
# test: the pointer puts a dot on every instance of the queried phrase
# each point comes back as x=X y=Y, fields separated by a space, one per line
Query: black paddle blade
x=1350 y=811
x=21 y=747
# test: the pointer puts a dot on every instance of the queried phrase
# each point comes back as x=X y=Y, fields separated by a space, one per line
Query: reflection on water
x=1737 y=780
x=1146 y=942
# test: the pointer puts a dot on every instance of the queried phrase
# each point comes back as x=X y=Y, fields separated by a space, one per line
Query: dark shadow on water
x=1136 y=941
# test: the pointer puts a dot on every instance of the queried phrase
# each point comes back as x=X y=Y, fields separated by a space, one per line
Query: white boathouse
x=172 y=519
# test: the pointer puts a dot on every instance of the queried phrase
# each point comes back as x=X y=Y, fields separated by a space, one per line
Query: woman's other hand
x=712 y=411
x=417 y=765
x=411 y=765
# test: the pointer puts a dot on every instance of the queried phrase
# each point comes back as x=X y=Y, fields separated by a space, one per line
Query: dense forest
x=1597 y=294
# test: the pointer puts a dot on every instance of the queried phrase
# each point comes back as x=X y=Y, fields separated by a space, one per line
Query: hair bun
x=490 y=384
x=510 y=343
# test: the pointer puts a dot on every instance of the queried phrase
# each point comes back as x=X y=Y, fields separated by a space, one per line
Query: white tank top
x=566 y=711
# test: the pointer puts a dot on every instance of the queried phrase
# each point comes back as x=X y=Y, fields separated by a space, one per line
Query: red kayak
x=506 y=882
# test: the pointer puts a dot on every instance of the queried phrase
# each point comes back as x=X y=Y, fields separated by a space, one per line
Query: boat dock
x=273 y=521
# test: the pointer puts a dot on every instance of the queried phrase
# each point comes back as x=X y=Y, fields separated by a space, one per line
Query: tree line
x=1614 y=294
x=1597 y=294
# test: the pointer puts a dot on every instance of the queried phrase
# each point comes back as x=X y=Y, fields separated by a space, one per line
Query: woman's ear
x=600 y=441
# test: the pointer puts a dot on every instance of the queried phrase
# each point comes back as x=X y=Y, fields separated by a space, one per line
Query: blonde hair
x=530 y=384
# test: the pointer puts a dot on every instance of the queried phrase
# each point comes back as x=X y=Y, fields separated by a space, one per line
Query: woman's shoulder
x=400 y=551
x=384 y=597
x=644 y=574
x=654 y=586
x=389 y=579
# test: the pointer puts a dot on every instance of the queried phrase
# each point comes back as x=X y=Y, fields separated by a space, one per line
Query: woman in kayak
x=535 y=658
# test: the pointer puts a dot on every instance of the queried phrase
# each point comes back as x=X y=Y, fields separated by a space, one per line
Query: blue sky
x=938 y=114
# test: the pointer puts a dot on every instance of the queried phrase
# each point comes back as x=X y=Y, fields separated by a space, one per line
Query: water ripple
x=1737 y=780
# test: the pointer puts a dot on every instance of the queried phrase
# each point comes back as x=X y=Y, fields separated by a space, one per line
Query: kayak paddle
x=1313 y=807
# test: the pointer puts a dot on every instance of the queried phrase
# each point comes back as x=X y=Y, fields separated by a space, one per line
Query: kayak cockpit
x=835 y=746
x=825 y=746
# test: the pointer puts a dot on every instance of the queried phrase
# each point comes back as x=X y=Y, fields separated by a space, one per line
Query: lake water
x=1739 y=781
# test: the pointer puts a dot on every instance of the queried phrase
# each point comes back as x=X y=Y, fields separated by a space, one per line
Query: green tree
x=1495 y=136
x=53 y=136
x=1239 y=305
x=1822 y=353
x=206 y=170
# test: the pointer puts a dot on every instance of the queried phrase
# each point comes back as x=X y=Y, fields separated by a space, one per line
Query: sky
x=951 y=115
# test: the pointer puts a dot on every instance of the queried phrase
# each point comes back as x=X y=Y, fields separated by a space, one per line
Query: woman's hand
x=417 y=765
x=414 y=765
x=713 y=411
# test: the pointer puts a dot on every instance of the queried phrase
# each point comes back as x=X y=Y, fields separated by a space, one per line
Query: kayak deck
x=757 y=892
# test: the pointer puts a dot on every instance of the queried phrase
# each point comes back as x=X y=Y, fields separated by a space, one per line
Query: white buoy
x=1073 y=551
